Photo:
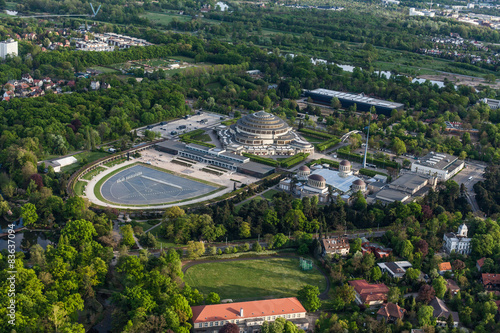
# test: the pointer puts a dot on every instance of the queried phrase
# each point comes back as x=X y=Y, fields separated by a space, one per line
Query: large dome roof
x=304 y=168
x=319 y=178
x=358 y=182
x=345 y=163
x=263 y=120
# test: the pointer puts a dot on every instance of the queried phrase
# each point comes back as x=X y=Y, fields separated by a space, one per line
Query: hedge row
x=332 y=163
x=327 y=144
x=373 y=173
x=376 y=161
x=260 y=159
x=319 y=134
x=292 y=160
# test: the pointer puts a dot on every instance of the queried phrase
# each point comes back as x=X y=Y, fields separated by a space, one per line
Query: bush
x=260 y=159
x=219 y=251
x=292 y=160
x=313 y=133
x=378 y=162
x=256 y=247
x=327 y=144
x=228 y=250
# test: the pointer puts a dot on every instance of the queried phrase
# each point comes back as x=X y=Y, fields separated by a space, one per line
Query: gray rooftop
x=390 y=195
x=256 y=167
x=171 y=144
x=440 y=161
x=409 y=180
x=357 y=98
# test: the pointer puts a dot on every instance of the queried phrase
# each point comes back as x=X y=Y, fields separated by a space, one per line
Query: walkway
x=323 y=295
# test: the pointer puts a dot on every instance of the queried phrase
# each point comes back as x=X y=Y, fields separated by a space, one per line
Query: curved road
x=323 y=295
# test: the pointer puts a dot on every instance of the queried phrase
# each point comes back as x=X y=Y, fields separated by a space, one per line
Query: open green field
x=165 y=18
x=91 y=174
x=253 y=279
x=269 y=194
x=83 y=158
x=104 y=70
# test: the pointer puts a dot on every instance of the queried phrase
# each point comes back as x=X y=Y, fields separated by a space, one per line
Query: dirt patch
x=461 y=80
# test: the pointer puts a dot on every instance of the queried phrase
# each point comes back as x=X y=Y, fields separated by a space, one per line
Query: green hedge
x=327 y=144
x=376 y=161
x=373 y=173
x=201 y=143
x=260 y=159
x=319 y=134
x=292 y=160
x=332 y=163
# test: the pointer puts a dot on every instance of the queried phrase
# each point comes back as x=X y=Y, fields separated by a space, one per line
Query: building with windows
x=263 y=133
x=249 y=316
x=8 y=47
x=396 y=269
x=441 y=313
x=458 y=242
x=369 y=293
x=441 y=165
x=390 y=312
x=335 y=245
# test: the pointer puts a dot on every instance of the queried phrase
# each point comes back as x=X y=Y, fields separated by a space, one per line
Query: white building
x=492 y=103
x=458 y=242
x=8 y=47
x=440 y=165
x=94 y=85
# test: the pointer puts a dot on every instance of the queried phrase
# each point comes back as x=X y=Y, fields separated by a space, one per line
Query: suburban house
x=371 y=294
x=378 y=250
x=490 y=281
x=249 y=316
x=335 y=245
x=444 y=267
x=441 y=312
x=452 y=286
x=391 y=312
x=396 y=269
x=480 y=263
x=458 y=242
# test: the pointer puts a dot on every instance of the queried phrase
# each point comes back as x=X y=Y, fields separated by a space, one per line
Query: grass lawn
x=104 y=70
x=253 y=279
x=165 y=18
x=91 y=174
x=79 y=187
x=83 y=158
x=269 y=194
x=202 y=137
x=115 y=162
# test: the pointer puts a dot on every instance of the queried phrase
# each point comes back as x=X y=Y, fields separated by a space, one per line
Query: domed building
x=303 y=173
x=345 y=168
x=262 y=133
x=316 y=181
x=358 y=185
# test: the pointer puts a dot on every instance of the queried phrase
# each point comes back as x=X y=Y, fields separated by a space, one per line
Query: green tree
x=412 y=274
x=335 y=103
x=212 y=298
x=406 y=249
x=425 y=315
x=195 y=249
x=393 y=295
x=375 y=273
x=280 y=240
x=127 y=235
x=29 y=215
x=398 y=146
x=308 y=296
x=245 y=231
x=256 y=247
x=439 y=286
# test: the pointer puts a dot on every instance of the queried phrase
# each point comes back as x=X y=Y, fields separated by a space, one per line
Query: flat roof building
x=363 y=103
x=441 y=165
x=8 y=47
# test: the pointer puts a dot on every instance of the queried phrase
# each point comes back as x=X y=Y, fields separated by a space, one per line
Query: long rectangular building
x=441 y=165
x=249 y=316
x=363 y=103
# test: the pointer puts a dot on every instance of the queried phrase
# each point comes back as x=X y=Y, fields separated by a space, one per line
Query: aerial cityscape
x=322 y=166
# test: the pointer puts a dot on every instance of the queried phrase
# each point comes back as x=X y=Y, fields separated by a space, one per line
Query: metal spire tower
x=367 y=138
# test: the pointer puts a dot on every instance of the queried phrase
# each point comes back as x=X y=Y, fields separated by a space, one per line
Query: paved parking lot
x=186 y=125
x=470 y=175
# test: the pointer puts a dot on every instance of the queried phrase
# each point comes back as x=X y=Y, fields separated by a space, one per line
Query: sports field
x=253 y=279
x=141 y=185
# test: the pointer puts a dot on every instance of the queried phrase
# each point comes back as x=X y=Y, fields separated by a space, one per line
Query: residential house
x=94 y=85
x=395 y=269
x=390 y=312
x=480 y=263
x=490 y=281
x=27 y=78
x=378 y=250
x=249 y=316
x=441 y=313
x=458 y=242
x=452 y=286
x=371 y=294
x=335 y=245
x=444 y=267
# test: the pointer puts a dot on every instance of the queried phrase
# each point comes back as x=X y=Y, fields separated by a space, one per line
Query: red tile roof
x=370 y=292
x=444 y=266
x=391 y=310
x=480 y=262
x=231 y=311
x=490 y=278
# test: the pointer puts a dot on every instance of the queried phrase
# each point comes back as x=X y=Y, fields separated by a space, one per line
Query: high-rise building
x=8 y=47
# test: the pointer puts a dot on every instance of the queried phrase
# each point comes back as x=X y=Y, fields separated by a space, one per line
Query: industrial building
x=262 y=133
x=440 y=165
x=216 y=157
x=363 y=103
x=403 y=189
x=8 y=47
